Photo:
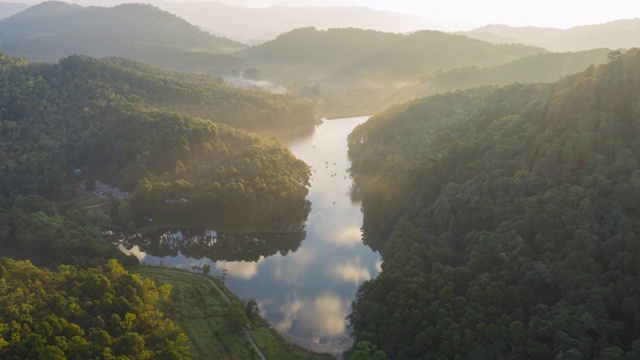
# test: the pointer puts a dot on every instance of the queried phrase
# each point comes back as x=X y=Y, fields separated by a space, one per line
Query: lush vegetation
x=54 y=30
x=50 y=234
x=97 y=313
x=214 y=327
x=92 y=115
x=507 y=219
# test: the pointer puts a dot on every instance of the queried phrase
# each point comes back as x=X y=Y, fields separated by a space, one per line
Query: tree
x=206 y=269
x=238 y=316
x=125 y=213
x=367 y=351
x=252 y=309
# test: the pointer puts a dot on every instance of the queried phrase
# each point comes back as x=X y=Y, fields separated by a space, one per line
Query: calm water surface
x=303 y=288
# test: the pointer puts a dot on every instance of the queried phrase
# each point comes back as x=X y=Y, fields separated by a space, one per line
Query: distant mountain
x=8 y=9
x=318 y=54
x=53 y=30
x=547 y=67
x=350 y=70
x=614 y=35
x=265 y=23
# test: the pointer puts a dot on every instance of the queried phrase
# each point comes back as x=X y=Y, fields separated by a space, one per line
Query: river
x=304 y=285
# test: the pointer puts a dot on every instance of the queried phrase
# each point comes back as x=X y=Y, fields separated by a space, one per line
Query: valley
x=358 y=186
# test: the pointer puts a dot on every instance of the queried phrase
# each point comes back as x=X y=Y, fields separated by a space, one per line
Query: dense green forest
x=50 y=234
x=53 y=30
x=97 y=313
x=507 y=221
x=97 y=116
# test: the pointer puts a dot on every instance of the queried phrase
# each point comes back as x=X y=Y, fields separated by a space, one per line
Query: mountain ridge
x=53 y=30
x=622 y=33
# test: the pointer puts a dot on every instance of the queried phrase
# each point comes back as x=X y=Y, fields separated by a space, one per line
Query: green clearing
x=275 y=347
x=202 y=314
x=206 y=318
x=93 y=200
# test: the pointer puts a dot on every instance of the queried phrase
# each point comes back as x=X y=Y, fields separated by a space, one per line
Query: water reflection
x=320 y=318
x=303 y=287
x=351 y=271
x=245 y=270
x=211 y=244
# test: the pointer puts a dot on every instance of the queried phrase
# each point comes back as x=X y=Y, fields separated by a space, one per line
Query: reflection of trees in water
x=299 y=134
x=212 y=244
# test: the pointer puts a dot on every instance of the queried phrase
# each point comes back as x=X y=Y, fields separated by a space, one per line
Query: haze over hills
x=355 y=71
x=53 y=30
x=261 y=24
x=354 y=66
x=506 y=219
x=613 y=35
x=7 y=9
x=546 y=67
x=503 y=208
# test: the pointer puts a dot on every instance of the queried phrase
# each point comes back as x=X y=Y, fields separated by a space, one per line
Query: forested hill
x=97 y=313
x=53 y=30
x=56 y=118
x=546 y=67
x=353 y=52
x=205 y=96
x=508 y=221
x=353 y=71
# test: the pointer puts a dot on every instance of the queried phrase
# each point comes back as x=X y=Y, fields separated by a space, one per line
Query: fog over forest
x=319 y=179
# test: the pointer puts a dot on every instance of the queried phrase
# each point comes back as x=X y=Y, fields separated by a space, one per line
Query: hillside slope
x=318 y=54
x=352 y=70
x=53 y=30
x=546 y=67
x=98 y=116
x=507 y=219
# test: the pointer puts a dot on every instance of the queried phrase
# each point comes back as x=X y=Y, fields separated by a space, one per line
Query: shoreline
x=262 y=333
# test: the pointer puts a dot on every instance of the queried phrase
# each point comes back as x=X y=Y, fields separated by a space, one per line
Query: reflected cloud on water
x=347 y=236
x=351 y=271
x=289 y=270
x=319 y=318
x=305 y=288
x=240 y=269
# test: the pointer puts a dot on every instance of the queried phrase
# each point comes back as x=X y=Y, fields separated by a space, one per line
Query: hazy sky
x=473 y=13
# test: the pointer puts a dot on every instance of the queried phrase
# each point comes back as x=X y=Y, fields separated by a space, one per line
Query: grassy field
x=92 y=200
x=275 y=347
x=203 y=315
x=205 y=318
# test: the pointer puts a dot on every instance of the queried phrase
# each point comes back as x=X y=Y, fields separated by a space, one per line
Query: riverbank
x=207 y=319
x=171 y=226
